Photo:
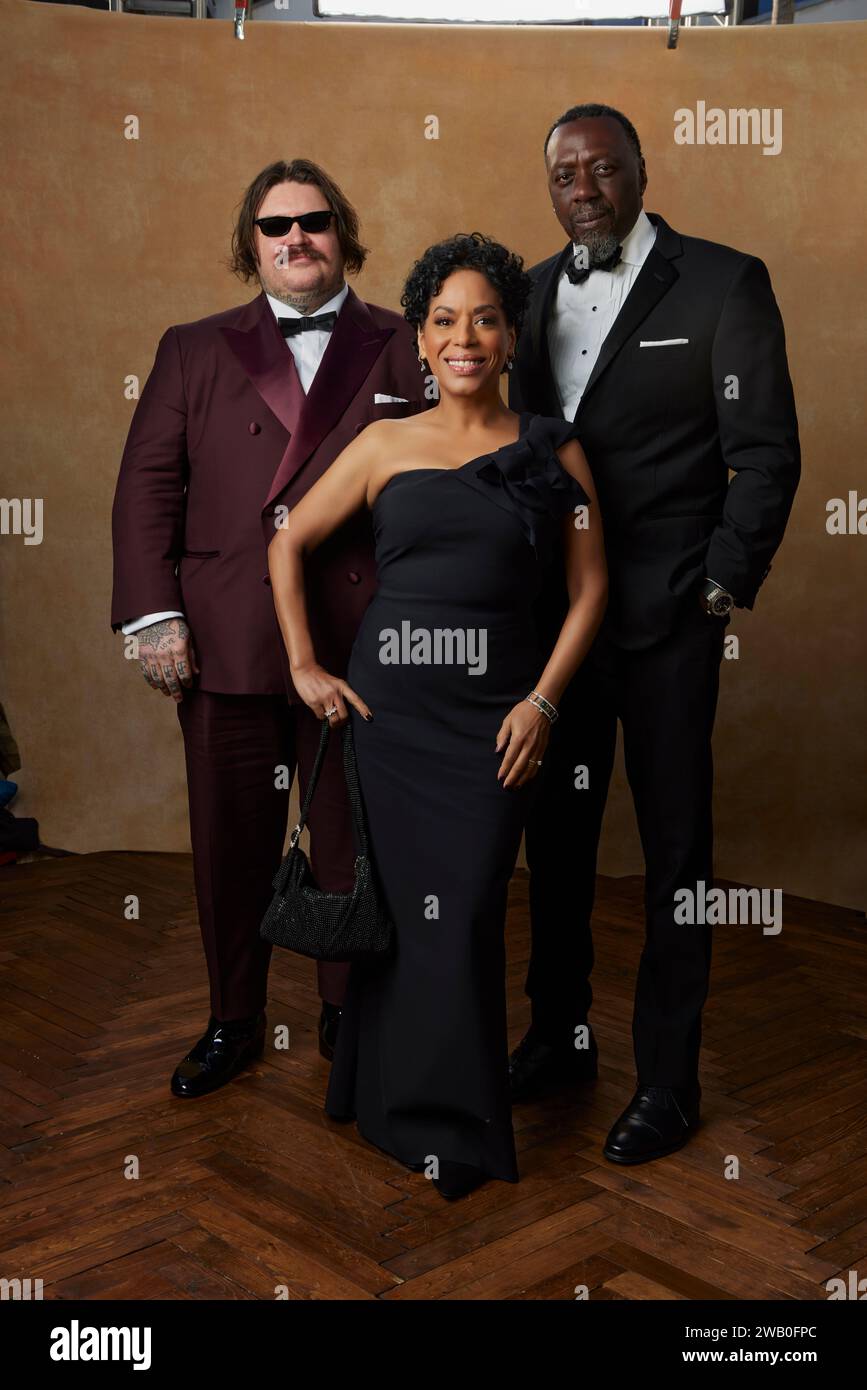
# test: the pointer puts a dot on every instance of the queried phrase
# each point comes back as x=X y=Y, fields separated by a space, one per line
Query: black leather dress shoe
x=329 y=1022
x=218 y=1056
x=657 y=1121
x=537 y=1068
x=457 y=1179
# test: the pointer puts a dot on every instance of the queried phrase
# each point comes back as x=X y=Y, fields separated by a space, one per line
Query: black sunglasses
x=308 y=222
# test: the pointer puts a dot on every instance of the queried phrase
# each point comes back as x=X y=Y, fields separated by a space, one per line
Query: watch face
x=722 y=605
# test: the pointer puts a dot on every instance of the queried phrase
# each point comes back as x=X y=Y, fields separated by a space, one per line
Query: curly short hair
x=467 y=251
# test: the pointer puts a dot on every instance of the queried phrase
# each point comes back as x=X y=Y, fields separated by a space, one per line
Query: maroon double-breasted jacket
x=221 y=436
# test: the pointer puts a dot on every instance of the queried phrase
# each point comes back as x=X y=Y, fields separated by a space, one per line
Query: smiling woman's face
x=465 y=337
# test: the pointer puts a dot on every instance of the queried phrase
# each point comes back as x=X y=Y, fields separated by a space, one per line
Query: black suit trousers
x=234 y=745
x=665 y=698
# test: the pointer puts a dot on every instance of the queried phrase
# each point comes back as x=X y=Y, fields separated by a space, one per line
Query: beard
x=599 y=245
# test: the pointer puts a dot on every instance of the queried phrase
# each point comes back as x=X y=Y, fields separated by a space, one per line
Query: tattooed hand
x=168 y=659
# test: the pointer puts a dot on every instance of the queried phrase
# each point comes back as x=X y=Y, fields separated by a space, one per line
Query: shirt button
x=254 y=428
x=354 y=577
x=594 y=308
x=583 y=352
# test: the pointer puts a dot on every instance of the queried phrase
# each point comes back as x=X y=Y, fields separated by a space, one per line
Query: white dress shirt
x=308 y=349
x=582 y=315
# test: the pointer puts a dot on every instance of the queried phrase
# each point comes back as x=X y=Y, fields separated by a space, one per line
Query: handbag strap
x=311 y=785
x=350 y=771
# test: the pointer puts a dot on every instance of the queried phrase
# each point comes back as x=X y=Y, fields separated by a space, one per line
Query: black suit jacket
x=662 y=426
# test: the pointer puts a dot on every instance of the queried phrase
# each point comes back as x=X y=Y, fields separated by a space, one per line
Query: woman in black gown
x=468 y=502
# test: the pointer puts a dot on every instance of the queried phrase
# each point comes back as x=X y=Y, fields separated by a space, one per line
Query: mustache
x=587 y=211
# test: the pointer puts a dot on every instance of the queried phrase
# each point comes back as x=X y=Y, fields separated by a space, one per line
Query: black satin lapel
x=655 y=279
x=544 y=387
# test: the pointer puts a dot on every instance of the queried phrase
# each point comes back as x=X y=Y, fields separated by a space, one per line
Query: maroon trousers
x=236 y=746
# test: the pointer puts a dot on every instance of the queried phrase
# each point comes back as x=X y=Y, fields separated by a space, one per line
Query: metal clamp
x=674 y=7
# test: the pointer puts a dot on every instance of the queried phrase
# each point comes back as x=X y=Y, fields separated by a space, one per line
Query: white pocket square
x=662 y=342
x=379 y=399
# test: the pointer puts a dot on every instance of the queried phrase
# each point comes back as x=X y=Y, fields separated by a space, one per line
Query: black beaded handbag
x=329 y=926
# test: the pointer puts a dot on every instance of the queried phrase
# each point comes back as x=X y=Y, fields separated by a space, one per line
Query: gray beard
x=600 y=245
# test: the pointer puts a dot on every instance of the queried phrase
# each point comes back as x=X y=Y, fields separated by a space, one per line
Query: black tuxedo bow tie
x=579 y=276
x=288 y=327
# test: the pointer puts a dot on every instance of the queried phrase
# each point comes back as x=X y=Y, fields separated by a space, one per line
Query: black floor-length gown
x=421 y=1059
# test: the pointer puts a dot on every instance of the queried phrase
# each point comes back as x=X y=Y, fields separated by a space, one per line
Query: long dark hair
x=243 y=261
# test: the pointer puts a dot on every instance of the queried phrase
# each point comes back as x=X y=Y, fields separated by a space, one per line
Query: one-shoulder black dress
x=446 y=648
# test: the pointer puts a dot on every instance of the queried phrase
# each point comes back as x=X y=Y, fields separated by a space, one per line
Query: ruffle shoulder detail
x=528 y=479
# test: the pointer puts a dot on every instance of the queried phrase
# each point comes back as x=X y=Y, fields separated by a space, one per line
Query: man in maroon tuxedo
x=242 y=412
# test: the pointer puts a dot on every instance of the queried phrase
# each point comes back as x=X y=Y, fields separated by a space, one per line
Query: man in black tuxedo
x=669 y=354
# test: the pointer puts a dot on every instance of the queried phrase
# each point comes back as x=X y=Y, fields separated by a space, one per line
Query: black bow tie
x=579 y=276
x=288 y=327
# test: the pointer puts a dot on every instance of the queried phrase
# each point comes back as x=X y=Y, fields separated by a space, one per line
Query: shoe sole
x=452 y=1196
x=199 y=1095
x=629 y=1161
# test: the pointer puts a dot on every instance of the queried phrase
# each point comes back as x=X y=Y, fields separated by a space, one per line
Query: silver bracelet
x=542 y=704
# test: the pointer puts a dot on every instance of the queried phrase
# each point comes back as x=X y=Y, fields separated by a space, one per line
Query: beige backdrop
x=109 y=240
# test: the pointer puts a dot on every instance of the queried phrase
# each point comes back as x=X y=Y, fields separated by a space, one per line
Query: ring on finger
x=329 y=712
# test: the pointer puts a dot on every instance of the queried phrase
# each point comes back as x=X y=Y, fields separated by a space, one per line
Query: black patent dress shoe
x=457 y=1179
x=329 y=1023
x=218 y=1056
x=537 y=1068
x=657 y=1121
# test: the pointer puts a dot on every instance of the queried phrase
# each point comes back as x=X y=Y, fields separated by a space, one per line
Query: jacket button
x=354 y=577
x=254 y=428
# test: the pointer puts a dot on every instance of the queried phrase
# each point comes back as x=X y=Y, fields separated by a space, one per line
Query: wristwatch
x=716 y=601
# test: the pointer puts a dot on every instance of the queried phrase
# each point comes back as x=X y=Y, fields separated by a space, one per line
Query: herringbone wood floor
x=253 y=1188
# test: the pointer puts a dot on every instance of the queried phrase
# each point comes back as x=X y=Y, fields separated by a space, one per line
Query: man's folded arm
x=758 y=430
x=149 y=502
